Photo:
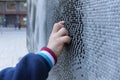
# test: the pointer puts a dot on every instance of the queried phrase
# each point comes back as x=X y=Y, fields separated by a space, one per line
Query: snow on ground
x=12 y=46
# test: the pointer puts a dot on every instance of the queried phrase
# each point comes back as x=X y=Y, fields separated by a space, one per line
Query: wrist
x=51 y=52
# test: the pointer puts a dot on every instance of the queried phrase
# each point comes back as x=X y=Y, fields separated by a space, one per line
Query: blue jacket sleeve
x=31 y=67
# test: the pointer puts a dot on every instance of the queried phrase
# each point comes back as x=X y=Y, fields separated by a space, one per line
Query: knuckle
x=55 y=24
x=65 y=30
x=58 y=25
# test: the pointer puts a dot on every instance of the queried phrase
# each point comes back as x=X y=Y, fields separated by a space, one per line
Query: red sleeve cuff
x=51 y=52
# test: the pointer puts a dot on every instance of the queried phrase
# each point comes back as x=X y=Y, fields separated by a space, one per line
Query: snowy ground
x=12 y=46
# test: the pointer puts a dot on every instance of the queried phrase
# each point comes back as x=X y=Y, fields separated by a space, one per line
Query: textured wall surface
x=94 y=26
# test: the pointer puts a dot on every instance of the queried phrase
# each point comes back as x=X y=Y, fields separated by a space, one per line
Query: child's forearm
x=31 y=67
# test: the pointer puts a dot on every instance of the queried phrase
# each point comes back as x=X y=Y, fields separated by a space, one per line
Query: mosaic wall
x=94 y=26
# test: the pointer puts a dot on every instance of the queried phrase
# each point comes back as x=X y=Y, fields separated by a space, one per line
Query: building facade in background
x=13 y=13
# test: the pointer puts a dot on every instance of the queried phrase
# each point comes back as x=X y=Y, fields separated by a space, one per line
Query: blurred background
x=13 y=23
x=13 y=13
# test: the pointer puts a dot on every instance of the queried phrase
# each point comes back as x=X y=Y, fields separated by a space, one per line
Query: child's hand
x=58 y=38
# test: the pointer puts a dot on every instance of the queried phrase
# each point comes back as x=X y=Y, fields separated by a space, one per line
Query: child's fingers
x=62 y=32
x=65 y=39
x=61 y=22
x=58 y=26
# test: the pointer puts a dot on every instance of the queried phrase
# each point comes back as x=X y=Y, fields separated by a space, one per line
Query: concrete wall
x=94 y=27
